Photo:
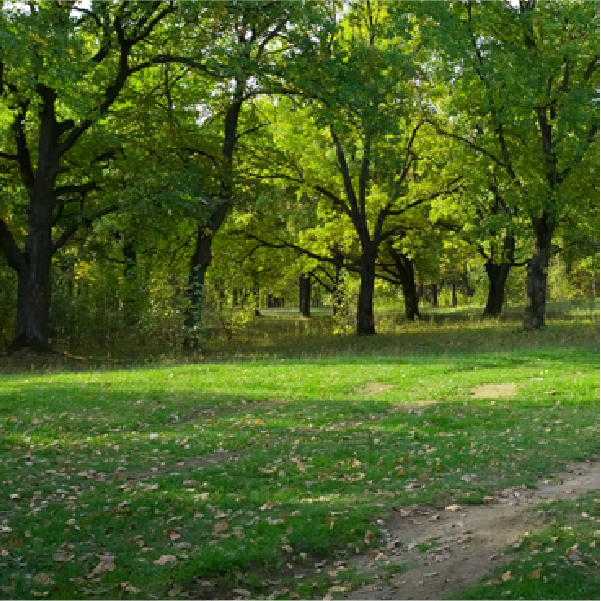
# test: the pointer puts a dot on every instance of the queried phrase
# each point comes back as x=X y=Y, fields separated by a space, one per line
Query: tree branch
x=86 y=221
x=77 y=189
x=15 y=257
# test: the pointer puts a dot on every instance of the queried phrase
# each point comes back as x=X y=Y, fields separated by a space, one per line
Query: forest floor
x=396 y=466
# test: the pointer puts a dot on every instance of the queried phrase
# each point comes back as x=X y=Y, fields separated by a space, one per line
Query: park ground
x=310 y=466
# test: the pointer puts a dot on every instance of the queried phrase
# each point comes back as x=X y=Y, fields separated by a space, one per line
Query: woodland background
x=169 y=170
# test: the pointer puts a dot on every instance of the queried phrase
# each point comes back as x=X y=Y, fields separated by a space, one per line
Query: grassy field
x=238 y=475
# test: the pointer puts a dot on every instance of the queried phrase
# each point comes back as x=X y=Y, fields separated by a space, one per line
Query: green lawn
x=241 y=472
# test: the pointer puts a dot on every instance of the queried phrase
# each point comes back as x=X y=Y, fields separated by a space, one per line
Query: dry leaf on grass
x=43 y=578
x=62 y=556
x=220 y=527
x=164 y=559
x=103 y=566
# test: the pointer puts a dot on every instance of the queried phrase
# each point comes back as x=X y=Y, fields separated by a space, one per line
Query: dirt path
x=468 y=542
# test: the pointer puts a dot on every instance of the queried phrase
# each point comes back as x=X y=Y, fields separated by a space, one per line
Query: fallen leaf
x=453 y=507
x=534 y=575
x=172 y=533
x=220 y=527
x=369 y=537
x=62 y=556
x=242 y=591
x=104 y=566
x=43 y=578
x=506 y=576
x=163 y=559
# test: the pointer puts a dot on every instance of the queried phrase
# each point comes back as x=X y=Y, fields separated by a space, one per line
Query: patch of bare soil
x=413 y=407
x=494 y=391
x=468 y=541
x=373 y=387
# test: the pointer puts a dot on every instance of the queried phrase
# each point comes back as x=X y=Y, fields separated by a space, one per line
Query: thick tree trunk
x=406 y=274
x=365 y=302
x=33 y=305
x=33 y=264
x=536 y=273
x=497 y=278
x=304 y=295
x=411 y=299
x=199 y=264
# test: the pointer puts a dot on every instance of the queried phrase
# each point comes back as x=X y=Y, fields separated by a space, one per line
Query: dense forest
x=169 y=166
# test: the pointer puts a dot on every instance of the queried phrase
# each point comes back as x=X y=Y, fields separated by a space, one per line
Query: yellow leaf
x=506 y=576
x=534 y=575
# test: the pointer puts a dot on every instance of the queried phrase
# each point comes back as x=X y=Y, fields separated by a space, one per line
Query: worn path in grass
x=468 y=542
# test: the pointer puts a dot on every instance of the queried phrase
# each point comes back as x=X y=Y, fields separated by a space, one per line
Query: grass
x=240 y=475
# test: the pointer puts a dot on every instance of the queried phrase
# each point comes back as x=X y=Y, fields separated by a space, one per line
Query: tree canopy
x=391 y=140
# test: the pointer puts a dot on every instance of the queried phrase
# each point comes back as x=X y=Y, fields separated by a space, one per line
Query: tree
x=525 y=78
x=352 y=141
x=62 y=69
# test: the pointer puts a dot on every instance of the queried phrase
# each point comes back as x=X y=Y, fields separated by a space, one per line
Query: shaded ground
x=467 y=541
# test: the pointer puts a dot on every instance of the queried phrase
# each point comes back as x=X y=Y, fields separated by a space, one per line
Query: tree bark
x=201 y=259
x=199 y=263
x=33 y=302
x=365 y=302
x=454 y=295
x=434 y=295
x=536 y=273
x=131 y=302
x=497 y=278
x=33 y=264
x=406 y=275
x=304 y=295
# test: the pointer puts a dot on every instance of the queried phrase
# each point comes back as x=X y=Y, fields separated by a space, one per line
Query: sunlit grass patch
x=140 y=481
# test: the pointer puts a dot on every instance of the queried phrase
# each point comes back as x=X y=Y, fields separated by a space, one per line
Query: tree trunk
x=434 y=295
x=454 y=295
x=33 y=305
x=365 y=302
x=536 y=273
x=497 y=278
x=337 y=293
x=33 y=264
x=304 y=295
x=199 y=263
x=201 y=259
x=131 y=304
x=406 y=274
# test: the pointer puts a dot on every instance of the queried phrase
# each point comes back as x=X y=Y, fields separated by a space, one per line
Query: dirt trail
x=469 y=542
